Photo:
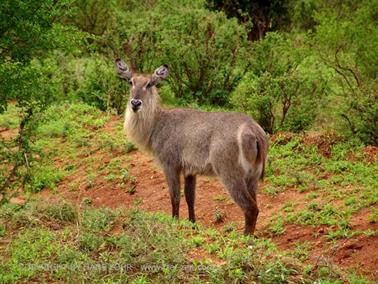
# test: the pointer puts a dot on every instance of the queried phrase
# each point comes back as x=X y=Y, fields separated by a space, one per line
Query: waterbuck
x=191 y=142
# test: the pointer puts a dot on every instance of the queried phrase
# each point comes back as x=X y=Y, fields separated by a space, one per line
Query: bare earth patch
x=151 y=194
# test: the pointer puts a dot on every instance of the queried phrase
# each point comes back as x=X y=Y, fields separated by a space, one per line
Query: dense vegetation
x=309 y=63
x=75 y=241
x=295 y=66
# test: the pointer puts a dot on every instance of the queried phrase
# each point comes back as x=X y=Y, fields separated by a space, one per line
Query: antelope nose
x=136 y=103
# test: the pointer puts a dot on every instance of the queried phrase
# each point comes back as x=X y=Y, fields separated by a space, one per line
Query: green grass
x=301 y=250
x=70 y=142
x=334 y=188
x=10 y=118
x=316 y=214
x=219 y=215
x=61 y=242
x=373 y=217
x=71 y=134
x=63 y=132
x=277 y=226
x=45 y=176
x=98 y=220
x=293 y=164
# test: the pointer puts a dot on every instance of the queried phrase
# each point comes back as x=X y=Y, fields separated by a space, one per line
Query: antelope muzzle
x=136 y=105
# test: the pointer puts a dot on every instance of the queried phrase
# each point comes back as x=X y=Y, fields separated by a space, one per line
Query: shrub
x=284 y=88
x=46 y=176
x=346 y=41
x=97 y=85
x=98 y=220
x=63 y=212
x=204 y=50
x=29 y=30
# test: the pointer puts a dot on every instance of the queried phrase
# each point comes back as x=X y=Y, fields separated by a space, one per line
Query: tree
x=28 y=30
x=204 y=50
x=285 y=87
x=347 y=40
x=260 y=15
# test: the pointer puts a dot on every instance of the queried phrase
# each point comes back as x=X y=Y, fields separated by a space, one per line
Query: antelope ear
x=160 y=74
x=123 y=70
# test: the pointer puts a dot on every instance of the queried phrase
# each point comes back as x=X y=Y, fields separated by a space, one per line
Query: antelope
x=190 y=142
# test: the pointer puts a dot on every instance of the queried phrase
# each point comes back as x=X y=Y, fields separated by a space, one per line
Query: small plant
x=98 y=219
x=271 y=190
x=226 y=252
x=125 y=175
x=131 y=189
x=2 y=231
x=74 y=185
x=324 y=271
x=197 y=241
x=283 y=181
x=218 y=216
x=68 y=255
x=110 y=177
x=133 y=185
x=313 y=206
x=138 y=201
x=211 y=247
x=236 y=274
x=46 y=176
x=277 y=226
x=229 y=227
x=276 y=272
x=89 y=242
x=301 y=250
x=90 y=180
x=340 y=233
x=308 y=269
x=63 y=212
x=87 y=201
x=129 y=147
x=373 y=217
x=311 y=195
x=288 y=207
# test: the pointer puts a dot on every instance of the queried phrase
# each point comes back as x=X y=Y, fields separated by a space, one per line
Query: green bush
x=46 y=176
x=285 y=86
x=205 y=51
x=96 y=84
x=347 y=41
x=98 y=220
x=29 y=32
x=63 y=212
x=90 y=79
x=89 y=242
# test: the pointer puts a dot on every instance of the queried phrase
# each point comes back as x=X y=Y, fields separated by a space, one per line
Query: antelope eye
x=130 y=82
x=149 y=85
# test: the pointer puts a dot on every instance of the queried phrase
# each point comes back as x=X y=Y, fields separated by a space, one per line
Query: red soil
x=358 y=252
x=371 y=154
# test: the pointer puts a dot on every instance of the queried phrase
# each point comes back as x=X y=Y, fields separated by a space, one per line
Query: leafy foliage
x=55 y=247
x=260 y=16
x=318 y=69
x=347 y=40
x=78 y=242
x=285 y=87
x=29 y=30
x=204 y=50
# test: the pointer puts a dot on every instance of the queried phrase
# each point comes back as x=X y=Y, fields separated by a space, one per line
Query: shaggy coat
x=227 y=144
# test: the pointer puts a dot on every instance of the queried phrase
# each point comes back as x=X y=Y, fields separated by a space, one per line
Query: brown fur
x=230 y=145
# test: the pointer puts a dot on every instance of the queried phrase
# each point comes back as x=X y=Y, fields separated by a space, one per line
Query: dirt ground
x=360 y=252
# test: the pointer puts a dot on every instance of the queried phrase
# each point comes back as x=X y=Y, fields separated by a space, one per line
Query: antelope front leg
x=173 y=180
